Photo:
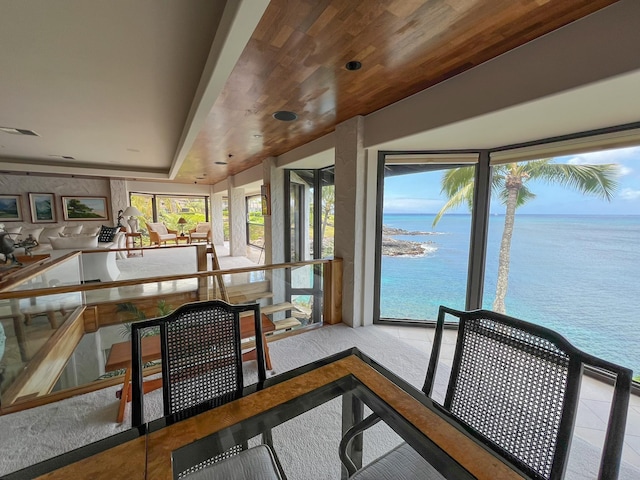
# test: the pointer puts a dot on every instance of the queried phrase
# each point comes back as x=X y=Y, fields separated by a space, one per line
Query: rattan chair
x=515 y=386
x=201 y=365
x=201 y=357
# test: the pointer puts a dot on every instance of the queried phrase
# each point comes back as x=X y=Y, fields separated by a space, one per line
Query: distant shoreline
x=393 y=247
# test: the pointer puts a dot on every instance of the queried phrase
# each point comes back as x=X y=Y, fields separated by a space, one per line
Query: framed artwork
x=85 y=208
x=265 y=191
x=10 y=208
x=43 y=209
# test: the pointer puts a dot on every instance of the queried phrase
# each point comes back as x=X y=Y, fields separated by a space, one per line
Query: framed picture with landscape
x=43 y=208
x=10 y=208
x=85 y=208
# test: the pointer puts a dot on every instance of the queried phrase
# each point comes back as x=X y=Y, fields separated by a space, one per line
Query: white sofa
x=95 y=266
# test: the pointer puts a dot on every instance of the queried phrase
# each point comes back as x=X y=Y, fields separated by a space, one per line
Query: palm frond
x=463 y=195
x=456 y=179
x=524 y=196
x=599 y=180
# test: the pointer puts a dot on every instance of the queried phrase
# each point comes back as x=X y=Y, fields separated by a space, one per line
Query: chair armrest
x=153 y=236
x=349 y=435
x=172 y=231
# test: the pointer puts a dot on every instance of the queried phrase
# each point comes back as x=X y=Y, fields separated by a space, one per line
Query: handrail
x=46 y=264
x=167 y=278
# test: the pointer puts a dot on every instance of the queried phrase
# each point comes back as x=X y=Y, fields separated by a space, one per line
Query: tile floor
x=594 y=401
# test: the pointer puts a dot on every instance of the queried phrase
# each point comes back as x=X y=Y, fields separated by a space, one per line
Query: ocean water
x=578 y=275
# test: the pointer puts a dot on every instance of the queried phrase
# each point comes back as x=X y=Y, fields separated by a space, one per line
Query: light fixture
x=285 y=116
x=132 y=213
x=353 y=65
x=18 y=131
x=182 y=222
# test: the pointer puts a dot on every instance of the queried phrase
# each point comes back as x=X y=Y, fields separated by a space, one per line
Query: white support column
x=237 y=221
x=274 y=230
x=119 y=197
x=217 y=219
x=274 y=225
x=350 y=217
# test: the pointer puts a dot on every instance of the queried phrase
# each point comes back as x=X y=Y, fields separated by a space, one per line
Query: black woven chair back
x=201 y=357
x=515 y=386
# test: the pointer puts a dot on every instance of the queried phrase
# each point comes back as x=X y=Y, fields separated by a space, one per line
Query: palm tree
x=509 y=184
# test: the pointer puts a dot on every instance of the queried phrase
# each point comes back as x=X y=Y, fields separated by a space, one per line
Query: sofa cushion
x=107 y=233
x=74 y=243
x=34 y=232
x=13 y=230
x=160 y=228
x=91 y=230
x=72 y=230
x=50 y=232
x=203 y=228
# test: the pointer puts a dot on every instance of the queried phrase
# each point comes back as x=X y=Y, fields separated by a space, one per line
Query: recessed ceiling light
x=220 y=163
x=285 y=116
x=353 y=65
x=18 y=131
x=66 y=157
x=257 y=135
x=135 y=150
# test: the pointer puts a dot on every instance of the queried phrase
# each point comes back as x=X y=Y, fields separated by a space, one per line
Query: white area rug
x=173 y=261
x=34 y=435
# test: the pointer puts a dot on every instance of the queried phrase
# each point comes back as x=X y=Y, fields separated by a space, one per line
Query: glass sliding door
x=310 y=212
x=169 y=209
x=425 y=238
x=566 y=255
x=255 y=221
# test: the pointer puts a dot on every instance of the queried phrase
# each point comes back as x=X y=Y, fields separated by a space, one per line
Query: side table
x=133 y=237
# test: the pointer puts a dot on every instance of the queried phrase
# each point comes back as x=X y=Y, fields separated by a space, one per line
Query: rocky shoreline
x=393 y=247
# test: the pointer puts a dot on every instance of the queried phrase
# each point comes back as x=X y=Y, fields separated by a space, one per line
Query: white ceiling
x=117 y=85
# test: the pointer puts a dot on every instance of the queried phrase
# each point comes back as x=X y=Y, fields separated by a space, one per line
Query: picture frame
x=43 y=207
x=85 y=208
x=265 y=192
x=10 y=208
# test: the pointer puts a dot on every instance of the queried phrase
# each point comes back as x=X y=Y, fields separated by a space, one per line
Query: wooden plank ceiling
x=296 y=60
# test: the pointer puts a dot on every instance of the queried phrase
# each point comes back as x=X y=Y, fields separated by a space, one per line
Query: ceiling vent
x=19 y=131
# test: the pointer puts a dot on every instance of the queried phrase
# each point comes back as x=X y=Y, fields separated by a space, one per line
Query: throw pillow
x=107 y=233
x=91 y=230
x=73 y=230
x=74 y=243
x=50 y=232
x=34 y=232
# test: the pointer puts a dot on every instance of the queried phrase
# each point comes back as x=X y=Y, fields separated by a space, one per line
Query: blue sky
x=420 y=193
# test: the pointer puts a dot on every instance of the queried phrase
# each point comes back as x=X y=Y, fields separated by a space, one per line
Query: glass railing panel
x=54 y=274
x=95 y=316
x=302 y=277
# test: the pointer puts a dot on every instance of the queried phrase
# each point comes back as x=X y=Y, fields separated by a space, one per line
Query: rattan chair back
x=201 y=357
x=515 y=386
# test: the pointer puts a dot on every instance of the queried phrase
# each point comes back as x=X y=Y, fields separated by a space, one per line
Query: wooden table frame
x=133 y=236
x=120 y=357
x=166 y=436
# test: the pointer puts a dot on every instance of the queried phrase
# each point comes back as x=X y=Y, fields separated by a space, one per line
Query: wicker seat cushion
x=256 y=462
x=401 y=463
